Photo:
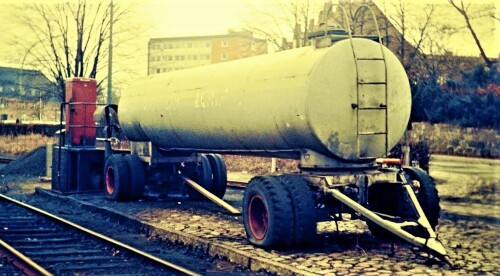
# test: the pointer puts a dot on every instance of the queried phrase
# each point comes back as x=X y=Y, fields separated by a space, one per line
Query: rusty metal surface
x=296 y=99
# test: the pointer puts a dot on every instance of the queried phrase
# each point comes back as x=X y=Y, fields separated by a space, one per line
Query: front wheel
x=304 y=212
x=426 y=193
x=267 y=213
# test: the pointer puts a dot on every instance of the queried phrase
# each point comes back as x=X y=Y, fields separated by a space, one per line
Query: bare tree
x=464 y=11
x=286 y=25
x=66 y=39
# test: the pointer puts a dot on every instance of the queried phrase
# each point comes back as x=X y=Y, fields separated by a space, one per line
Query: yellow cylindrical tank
x=347 y=101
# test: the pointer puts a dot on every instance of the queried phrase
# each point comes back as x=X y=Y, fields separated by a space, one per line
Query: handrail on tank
x=364 y=6
x=346 y=19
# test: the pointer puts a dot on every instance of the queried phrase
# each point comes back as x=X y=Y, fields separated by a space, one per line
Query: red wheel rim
x=110 y=180
x=258 y=217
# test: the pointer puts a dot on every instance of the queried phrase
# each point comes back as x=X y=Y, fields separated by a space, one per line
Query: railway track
x=39 y=243
x=237 y=184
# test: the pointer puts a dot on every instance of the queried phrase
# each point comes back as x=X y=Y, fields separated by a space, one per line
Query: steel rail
x=237 y=184
x=102 y=237
x=21 y=261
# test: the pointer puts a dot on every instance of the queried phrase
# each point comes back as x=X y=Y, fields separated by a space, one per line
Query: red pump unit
x=77 y=163
x=81 y=96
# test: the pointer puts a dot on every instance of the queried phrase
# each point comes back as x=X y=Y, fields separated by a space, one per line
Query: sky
x=195 y=17
x=166 y=18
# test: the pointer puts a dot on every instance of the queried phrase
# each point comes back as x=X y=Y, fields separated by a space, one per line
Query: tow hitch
x=431 y=244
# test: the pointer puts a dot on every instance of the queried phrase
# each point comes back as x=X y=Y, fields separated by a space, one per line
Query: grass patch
x=22 y=144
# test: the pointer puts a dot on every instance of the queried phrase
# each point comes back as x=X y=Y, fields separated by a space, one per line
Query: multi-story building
x=176 y=53
x=26 y=95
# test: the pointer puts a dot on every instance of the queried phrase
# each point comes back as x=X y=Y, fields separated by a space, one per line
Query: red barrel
x=81 y=98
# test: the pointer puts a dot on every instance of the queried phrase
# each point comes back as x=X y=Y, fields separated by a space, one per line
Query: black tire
x=201 y=173
x=267 y=213
x=427 y=194
x=116 y=178
x=304 y=212
x=136 y=176
x=219 y=173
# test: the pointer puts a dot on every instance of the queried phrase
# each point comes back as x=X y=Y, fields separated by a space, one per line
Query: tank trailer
x=338 y=106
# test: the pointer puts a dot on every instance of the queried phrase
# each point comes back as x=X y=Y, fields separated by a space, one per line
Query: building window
x=207 y=57
x=158 y=58
x=190 y=45
x=182 y=57
x=223 y=56
x=170 y=46
x=170 y=58
x=195 y=57
x=223 y=43
x=158 y=70
x=208 y=44
x=164 y=70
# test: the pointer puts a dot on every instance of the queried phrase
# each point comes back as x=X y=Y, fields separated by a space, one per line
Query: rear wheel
x=267 y=213
x=304 y=212
x=116 y=177
x=219 y=173
x=137 y=176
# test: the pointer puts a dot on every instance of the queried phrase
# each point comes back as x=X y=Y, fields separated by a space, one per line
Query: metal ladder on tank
x=369 y=61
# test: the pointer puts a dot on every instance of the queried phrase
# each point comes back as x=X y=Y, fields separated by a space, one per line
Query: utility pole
x=110 y=53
